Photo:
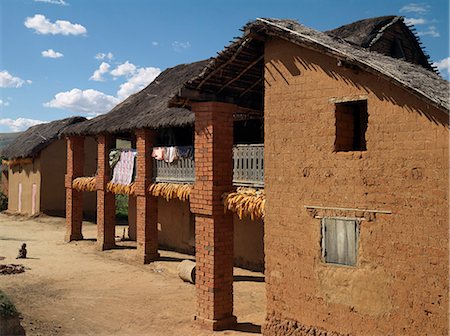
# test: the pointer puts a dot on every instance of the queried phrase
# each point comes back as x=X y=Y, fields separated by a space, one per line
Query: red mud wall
x=400 y=283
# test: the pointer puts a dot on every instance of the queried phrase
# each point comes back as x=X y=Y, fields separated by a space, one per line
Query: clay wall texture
x=47 y=171
x=176 y=231
x=400 y=283
x=27 y=174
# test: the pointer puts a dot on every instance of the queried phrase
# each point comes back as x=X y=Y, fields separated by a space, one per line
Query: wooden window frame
x=356 y=222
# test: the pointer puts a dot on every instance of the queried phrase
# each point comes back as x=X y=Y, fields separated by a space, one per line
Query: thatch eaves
x=31 y=142
x=147 y=108
x=417 y=80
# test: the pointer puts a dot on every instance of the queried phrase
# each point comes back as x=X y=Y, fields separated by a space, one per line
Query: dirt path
x=72 y=289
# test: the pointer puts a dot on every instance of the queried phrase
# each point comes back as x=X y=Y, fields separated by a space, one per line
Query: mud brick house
x=36 y=164
x=5 y=140
x=355 y=176
x=155 y=217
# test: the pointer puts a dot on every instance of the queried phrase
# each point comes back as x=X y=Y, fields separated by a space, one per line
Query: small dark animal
x=22 y=252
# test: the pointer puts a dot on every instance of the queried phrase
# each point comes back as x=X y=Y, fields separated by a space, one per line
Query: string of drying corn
x=84 y=183
x=170 y=190
x=246 y=202
x=15 y=162
x=121 y=188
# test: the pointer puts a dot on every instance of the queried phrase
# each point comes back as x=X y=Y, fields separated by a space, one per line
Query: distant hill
x=7 y=138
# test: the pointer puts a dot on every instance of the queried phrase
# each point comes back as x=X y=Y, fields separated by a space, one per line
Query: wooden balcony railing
x=179 y=171
x=248 y=167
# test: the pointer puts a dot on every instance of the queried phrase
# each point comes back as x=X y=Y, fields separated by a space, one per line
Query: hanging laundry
x=158 y=153
x=185 y=152
x=170 y=154
x=123 y=170
x=114 y=157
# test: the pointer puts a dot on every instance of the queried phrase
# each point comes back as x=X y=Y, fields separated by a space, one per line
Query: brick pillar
x=74 y=198
x=146 y=205
x=213 y=227
x=132 y=205
x=106 y=201
x=132 y=217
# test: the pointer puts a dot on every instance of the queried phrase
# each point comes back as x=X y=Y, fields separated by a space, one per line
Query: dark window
x=339 y=241
x=351 y=126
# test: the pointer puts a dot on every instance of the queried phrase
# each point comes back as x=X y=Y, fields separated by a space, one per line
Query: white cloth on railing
x=170 y=154
x=124 y=168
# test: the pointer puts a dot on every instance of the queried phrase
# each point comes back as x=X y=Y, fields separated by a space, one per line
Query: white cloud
x=42 y=25
x=102 y=69
x=443 y=66
x=180 y=46
x=140 y=80
x=4 y=103
x=9 y=81
x=155 y=43
x=415 y=22
x=85 y=101
x=432 y=31
x=102 y=56
x=54 y=2
x=124 y=69
x=50 y=53
x=19 y=124
x=419 y=8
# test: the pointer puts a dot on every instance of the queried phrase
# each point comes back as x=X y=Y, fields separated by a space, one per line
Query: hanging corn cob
x=84 y=183
x=170 y=191
x=121 y=188
x=246 y=202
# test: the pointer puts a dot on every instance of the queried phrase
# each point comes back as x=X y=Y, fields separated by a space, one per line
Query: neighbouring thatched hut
x=387 y=35
x=36 y=164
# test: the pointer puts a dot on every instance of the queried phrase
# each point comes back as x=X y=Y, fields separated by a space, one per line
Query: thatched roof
x=414 y=78
x=147 y=108
x=36 y=138
x=381 y=34
x=363 y=32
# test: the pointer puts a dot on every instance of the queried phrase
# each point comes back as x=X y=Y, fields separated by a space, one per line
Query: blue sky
x=61 y=58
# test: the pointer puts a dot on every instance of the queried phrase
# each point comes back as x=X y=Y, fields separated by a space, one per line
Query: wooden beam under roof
x=251 y=65
x=239 y=49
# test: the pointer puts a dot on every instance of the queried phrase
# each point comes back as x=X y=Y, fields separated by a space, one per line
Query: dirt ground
x=73 y=289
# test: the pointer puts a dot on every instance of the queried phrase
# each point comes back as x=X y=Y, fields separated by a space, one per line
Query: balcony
x=248 y=167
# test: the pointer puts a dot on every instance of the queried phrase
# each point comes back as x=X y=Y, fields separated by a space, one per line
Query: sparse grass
x=122 y=206
x=7 y=308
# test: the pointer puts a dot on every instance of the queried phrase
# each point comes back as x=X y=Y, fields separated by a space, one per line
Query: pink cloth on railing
x=158 y=153
x=123 y=170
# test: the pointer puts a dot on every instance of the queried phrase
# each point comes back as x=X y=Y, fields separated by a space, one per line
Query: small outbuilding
x=36 y=163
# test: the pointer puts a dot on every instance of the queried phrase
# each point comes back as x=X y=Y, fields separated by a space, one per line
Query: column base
x=105 y=246
x=72 y=237
x=216 y=325
x=148 y=258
